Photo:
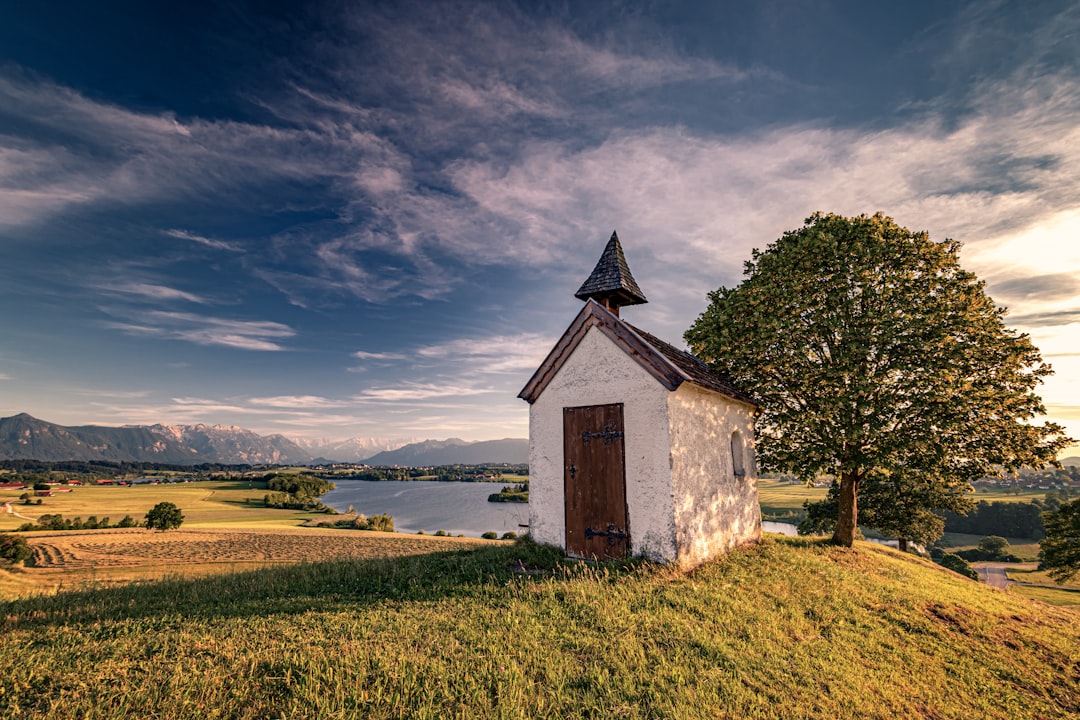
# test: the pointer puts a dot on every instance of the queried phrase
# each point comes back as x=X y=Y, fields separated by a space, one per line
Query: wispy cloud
x=298 y=402
x=420 y=391
x=155 y=292
x=202 y=240
x=259 y=335
x=365 y=355
x=492 y=354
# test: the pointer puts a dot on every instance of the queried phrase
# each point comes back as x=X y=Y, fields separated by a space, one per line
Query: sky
x=350 y=219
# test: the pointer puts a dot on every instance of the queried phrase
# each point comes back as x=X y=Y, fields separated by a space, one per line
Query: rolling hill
x=791 y=628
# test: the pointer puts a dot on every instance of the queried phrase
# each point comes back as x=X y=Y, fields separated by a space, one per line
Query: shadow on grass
x=305 y=587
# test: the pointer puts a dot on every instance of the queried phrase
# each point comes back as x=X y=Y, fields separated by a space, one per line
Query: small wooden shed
x=635 y=446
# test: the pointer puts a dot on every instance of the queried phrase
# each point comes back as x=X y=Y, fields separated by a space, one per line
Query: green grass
x=214 y=503
x=792 y=628
x=1065 y=597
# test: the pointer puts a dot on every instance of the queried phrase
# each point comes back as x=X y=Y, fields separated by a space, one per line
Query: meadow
x=210 y=503
x=791 y=628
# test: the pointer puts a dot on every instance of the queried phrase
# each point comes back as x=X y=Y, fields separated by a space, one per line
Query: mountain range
x=454 y=451
x=25 y=437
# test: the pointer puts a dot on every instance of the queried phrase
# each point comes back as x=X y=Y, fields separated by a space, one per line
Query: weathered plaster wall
x=599 y=373
x=714 y=510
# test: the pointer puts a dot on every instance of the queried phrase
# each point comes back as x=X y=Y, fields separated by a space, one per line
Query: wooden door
x=594 y=480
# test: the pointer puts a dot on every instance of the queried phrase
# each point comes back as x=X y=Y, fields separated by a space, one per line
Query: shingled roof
x=692 y=367
x=611 y=283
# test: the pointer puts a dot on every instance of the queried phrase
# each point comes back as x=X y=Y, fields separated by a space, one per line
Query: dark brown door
x=594 y=480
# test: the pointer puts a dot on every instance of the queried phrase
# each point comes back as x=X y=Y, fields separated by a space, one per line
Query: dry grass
x=95 y=557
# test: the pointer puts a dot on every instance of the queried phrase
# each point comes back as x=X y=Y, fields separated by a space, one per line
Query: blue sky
x=369 y=219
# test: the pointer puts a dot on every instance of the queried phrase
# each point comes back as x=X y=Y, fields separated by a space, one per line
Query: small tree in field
x=872 y=353
x=14 y=548
x=1059 y=551
x=164 y=516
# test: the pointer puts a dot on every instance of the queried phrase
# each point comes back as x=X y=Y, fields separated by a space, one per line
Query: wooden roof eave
x=595 y=315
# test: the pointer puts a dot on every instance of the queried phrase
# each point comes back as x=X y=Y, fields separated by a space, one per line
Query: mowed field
x=90 y=558
x=225 y=503
x=225 y=530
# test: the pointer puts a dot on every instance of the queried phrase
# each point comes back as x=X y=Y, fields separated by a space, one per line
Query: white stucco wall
x=714 y=510
x=598 y=373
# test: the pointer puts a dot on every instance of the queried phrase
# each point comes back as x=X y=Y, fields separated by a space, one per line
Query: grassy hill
x=788 y=629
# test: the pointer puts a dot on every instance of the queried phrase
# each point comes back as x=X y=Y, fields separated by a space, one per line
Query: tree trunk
x=847 y=521
x=902 y=544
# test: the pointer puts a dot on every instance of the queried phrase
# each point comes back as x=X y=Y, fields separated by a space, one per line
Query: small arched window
x=738 y=454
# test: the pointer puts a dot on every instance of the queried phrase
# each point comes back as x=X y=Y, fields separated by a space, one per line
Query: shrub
x=127 y=522
x=994 y=546
x=490 y=535
x=958 y=565
x=382 y=523
x=509 y=535
x=440 y=533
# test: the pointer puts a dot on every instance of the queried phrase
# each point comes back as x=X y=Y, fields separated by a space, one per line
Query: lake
x=459 y=508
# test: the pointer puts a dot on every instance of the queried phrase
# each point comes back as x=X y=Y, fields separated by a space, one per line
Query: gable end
x=595 y=315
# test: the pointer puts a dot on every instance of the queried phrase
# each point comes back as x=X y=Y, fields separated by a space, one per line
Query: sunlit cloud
x=494 y=354
x=297 y=402
x=419 y=391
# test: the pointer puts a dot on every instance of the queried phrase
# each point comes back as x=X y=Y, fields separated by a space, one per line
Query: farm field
x=92 y=558
x=211 y=503
x=783 y=501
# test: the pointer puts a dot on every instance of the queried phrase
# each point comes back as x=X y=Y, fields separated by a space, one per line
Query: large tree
x=871 y=351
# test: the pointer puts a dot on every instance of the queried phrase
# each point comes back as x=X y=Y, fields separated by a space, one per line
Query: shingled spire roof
x=611 y=283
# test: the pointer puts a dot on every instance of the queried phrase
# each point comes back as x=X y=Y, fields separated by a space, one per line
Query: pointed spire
x=611 y=283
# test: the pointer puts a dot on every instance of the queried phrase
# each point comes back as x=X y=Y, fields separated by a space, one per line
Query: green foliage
x=164 y=516
x=511 y=493
x=509 y=535
x=301 y=486
x=127 y=522
x=995 y=546
x=1008 y=519
x=381 y=523
x=872 y=352
x=490 y=535
x=1059 y=551
x=958 y=565
x=14 y=548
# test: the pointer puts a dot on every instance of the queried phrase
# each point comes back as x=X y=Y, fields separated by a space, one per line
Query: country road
x=11 y=511
x=993 y=574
